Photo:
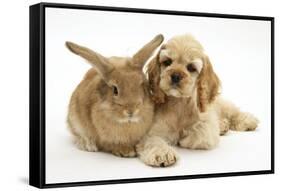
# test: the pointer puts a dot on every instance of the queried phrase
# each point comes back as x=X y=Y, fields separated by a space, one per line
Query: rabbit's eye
x=167 y=62
x=115 y=90
x=191 y=68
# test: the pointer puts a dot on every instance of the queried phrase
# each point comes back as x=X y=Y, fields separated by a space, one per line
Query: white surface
x=238 y=49
x=236 y=153
x=14 y=91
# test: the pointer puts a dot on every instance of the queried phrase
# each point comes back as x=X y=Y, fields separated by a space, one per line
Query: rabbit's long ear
x=146 y=51
x=95 y=59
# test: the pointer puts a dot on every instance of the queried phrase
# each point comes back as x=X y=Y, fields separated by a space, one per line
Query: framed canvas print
x=121 y=95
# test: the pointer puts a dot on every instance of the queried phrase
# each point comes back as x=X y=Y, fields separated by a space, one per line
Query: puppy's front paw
x=160 y=156
x=245 y=122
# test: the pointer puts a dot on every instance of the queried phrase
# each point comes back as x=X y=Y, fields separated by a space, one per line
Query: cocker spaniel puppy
x=189 y=112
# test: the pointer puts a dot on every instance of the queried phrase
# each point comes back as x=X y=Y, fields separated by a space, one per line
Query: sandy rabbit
x=111 y=110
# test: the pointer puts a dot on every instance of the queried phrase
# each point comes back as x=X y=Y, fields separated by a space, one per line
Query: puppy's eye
x=167 y=62
x=191 y=68
x=115 y=90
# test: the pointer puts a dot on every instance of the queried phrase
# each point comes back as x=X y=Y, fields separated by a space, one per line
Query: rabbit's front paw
x=124 y=151
x=86 y=145
x=160 y=156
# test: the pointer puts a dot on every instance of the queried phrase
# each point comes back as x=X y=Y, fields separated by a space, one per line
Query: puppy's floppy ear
x=94 y=58
x=207 y=85
x=153 y=72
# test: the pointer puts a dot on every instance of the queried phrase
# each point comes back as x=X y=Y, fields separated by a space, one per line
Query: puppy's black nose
x=175 y=78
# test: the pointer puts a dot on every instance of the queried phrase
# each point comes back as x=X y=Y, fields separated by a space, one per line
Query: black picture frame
x=37 y=153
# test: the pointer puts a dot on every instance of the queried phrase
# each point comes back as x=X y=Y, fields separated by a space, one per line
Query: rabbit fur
x=111 y=110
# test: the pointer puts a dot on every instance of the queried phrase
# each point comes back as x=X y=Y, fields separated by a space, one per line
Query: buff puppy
x=189 y=112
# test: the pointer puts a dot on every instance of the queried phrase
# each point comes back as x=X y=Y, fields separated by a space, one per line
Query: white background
x=240 y=53
x=14 y=95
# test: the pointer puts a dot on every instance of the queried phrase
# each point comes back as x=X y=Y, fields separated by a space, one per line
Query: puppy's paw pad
x=161 y=157
x=209 y=142
x=247 y=122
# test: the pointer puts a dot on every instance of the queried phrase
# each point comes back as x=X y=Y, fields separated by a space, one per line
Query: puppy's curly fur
x=189 y=112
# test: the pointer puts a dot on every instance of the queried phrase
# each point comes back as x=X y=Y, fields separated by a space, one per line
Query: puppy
x=189 y=112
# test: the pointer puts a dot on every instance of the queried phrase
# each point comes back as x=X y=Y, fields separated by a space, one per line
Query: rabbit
x=111 y=109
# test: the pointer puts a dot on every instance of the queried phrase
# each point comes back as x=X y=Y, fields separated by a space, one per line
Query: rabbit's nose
x=129 y=113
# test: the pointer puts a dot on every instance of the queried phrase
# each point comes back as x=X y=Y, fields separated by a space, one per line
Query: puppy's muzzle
x=176 y=78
